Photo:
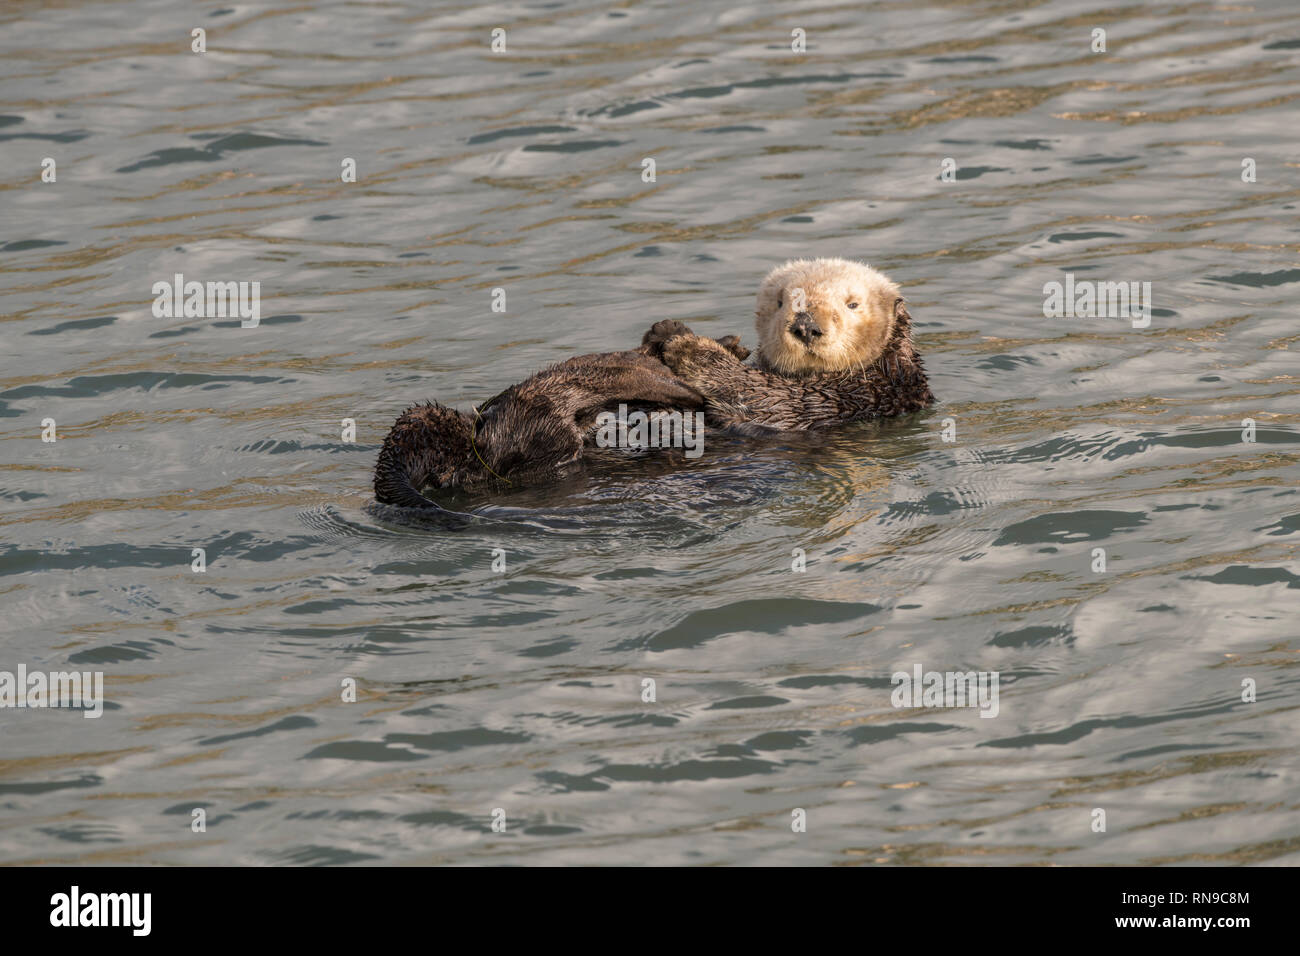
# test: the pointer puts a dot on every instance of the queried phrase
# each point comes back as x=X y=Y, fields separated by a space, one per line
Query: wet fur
x=528 y=433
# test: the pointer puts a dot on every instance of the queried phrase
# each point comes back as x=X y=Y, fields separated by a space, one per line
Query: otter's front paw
x=732 y=344
x=661 y=332
x=690 y=356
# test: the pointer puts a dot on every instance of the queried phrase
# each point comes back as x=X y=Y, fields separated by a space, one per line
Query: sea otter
x=834 y=345
x=529 y=432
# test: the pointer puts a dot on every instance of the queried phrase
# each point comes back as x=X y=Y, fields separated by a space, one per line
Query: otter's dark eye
x=780 y=297
x=853 y=305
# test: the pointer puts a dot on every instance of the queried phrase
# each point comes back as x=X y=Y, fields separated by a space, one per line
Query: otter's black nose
x=805 y=328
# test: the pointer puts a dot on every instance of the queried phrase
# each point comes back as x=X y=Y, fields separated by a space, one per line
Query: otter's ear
x=901 y=315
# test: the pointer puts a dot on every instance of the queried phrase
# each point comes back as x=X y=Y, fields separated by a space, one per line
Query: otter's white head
x=825 y=315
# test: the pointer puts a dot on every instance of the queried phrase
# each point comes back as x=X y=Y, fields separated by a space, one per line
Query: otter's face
x=824 y=315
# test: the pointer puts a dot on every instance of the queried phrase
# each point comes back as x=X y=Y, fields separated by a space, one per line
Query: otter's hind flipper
x=613 y=377
x=542 y=423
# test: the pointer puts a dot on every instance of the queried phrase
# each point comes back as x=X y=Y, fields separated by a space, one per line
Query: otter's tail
x=395 y=485
x=425 y=446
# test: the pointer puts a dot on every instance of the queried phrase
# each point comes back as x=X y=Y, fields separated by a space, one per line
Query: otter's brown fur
x=835 y=345
x=530 y=431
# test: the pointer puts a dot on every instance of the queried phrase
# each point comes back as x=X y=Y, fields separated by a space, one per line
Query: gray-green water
x=1120 y=690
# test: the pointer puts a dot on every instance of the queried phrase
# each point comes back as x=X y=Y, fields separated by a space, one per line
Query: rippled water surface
x=1121 y=690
